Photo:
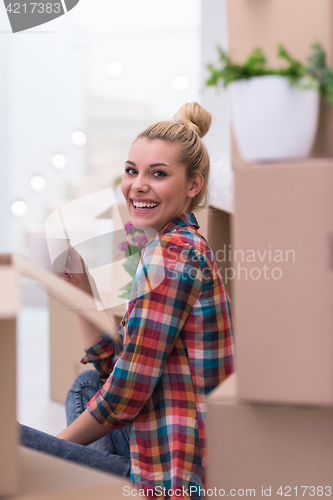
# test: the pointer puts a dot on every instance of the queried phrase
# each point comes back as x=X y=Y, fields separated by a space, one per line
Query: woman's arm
x=84 y=430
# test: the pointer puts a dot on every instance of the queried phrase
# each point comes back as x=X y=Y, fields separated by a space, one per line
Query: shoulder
x=182 y=236
x=167 y=261
x=173 y=246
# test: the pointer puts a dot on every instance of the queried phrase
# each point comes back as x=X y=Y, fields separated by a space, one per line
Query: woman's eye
x=132 y=171
x=163 y=174
x=127 y=170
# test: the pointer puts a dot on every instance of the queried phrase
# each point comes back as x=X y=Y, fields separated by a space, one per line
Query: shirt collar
x=182 y=219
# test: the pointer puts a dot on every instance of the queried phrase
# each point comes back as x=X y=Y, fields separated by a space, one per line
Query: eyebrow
x=152 y=165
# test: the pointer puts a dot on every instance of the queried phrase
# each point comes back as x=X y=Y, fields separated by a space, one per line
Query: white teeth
x=144 y=205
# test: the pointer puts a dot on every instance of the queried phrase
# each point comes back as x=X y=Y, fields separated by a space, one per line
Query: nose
x=140 y=184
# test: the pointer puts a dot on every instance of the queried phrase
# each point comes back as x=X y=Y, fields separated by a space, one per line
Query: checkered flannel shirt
x=177 y=346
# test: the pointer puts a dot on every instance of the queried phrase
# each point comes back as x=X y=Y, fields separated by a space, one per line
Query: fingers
x=66 y=277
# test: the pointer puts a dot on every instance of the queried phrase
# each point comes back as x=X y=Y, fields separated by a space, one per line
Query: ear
x=195 y=185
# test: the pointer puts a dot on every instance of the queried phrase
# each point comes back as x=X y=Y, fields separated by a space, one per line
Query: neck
x=150 y=233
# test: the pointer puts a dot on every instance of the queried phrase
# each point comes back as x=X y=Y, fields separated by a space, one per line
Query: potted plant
x=274 y=111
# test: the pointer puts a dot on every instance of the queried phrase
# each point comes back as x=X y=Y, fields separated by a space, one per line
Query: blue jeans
x=109 y=454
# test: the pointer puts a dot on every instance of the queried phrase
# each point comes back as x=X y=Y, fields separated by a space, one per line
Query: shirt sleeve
x=166 y=286
x=105 y=353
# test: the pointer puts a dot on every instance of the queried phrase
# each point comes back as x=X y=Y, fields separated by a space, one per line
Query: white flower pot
x=272 y=120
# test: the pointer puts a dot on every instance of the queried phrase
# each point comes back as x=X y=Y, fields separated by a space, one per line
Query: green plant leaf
x=131 y=264
x=318 y=69
x=127 y=290
x=315 y=74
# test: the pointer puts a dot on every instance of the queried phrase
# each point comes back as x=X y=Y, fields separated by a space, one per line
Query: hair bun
x=195 y=117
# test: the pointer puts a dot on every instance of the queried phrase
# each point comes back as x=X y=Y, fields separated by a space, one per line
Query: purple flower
x=140 y=240
x=128 y=227
x=123 y=246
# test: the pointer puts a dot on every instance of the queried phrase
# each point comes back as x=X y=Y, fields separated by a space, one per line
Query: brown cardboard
x=66 y=348
x=284 y=325
x=9 y=473
x=202 y=217
x=72 y=298
x=9 y=292
x=10 y=267
x=46 y=477
x=219 y=239
x=296 y=24
x=253 y=446
x=8 y=436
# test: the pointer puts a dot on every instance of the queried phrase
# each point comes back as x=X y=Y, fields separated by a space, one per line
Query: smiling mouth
x=143 y=209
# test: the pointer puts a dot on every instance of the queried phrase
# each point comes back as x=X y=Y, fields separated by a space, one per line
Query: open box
x=27 y=473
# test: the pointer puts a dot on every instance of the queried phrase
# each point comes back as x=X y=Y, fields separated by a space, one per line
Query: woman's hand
x=76 y=271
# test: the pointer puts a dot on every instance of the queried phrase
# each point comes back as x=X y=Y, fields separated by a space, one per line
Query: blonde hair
x=189 y=125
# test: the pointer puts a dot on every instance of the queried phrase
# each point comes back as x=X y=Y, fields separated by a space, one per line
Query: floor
x=34 y=405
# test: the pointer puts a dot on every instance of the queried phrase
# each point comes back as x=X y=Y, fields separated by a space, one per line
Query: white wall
x=154 y=39
x=216 y=100
x=4 y=147
x=44 y=105
x=51 y=70
x=214 y=32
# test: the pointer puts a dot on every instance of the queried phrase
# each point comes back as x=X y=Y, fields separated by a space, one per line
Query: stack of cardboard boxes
x=270 y=425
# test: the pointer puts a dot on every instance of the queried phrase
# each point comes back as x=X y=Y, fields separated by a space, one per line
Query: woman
x=177 y=333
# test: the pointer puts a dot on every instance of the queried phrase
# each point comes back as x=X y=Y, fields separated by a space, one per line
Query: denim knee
x=83 y=389
x=88 y=377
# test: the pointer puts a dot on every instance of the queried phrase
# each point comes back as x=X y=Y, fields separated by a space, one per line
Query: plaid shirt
x=177 y=346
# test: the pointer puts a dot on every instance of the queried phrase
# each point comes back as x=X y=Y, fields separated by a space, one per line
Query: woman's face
x=153 y=175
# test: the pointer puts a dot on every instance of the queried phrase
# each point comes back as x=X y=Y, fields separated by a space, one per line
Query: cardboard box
x=261 y=448
x=44 y=477
x=283 y=314
x=11 y=266
x=66 y=349
x=215 y=227
x=9 y=474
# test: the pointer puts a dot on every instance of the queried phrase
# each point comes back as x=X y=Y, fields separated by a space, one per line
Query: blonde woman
x=141 y=412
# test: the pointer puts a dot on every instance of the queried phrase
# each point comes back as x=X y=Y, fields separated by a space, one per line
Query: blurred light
x=115 y=68
x=79 y=138
x=38 y=183
x=19 y=208
x=59 y=161
x=180 y=83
